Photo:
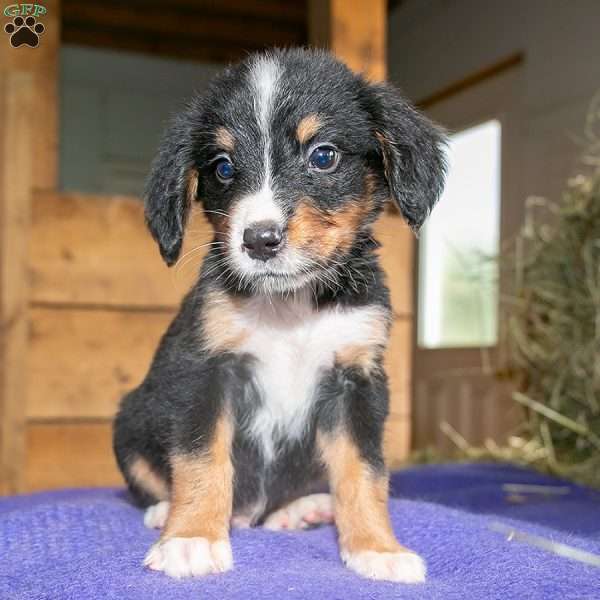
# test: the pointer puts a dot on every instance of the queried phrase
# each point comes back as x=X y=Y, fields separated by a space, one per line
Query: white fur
x=289 y=265
x=187 y=557
x=302 y=513
x=294 y=344
x=155 y=516
x=404 y=567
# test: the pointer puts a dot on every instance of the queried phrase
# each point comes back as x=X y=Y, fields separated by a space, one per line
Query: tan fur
x=360 y=497
x=202 y=490
x=224 y=139
x=307 y=128
x=143 y=474
x=192 y=188
x=324 y=232
x=221 y=331
x=365 y=356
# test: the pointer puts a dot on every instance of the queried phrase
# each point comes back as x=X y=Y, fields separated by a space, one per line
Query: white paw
x=189 y=557
x=241 y=522
x=302 y=513
x=155 y=516
x=405 y=567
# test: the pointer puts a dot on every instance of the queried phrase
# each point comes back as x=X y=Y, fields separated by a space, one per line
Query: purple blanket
x=90 y=544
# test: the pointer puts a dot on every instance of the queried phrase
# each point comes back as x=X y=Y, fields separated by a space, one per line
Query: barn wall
x=434 y=43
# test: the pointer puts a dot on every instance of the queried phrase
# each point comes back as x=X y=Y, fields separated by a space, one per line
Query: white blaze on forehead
x=264 y=77
x=260 y=205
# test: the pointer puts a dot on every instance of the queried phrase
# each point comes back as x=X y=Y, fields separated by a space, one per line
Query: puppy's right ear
x=173 y=184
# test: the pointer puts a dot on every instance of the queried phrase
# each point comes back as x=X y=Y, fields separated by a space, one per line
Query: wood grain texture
x=17 y=94
x=96 y=250
x=354 y=30
x=64 y=454
x=396 y=255
x=81 y=362
x=193 y=29
x=42 y=64
x=398 y=366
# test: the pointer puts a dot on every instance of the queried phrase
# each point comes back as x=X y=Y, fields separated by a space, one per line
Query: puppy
x=269 y=381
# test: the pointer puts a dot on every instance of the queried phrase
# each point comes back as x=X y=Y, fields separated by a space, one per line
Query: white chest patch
x=294 y=345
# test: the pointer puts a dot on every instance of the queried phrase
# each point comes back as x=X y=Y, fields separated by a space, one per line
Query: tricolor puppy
x=269 y=381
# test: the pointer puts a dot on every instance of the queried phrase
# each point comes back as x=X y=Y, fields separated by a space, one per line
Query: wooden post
x=16 y=175
x=28 y=162
x=356 y=32
x=42 y=63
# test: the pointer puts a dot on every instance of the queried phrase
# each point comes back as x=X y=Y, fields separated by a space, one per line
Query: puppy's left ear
x=172 y=185
x=412 y=152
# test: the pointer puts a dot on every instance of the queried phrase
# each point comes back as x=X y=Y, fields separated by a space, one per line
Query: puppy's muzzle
x=262 y=240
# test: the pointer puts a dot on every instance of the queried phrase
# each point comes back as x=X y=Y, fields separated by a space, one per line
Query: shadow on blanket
x=90 y=544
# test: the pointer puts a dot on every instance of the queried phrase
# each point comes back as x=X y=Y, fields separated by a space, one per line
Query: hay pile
x=552 y=331
x=551 y=340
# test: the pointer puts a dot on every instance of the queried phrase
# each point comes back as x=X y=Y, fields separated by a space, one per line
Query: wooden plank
x=96 y=250
x=70 y=455
x=81 y=362
x=398 y=367
x=396 y=255
x=354 y=30
x=190 y=30
x=42 y=63
x=16 y=169
x=396 y=441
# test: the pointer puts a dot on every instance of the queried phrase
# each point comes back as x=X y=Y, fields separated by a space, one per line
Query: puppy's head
x=293 y=157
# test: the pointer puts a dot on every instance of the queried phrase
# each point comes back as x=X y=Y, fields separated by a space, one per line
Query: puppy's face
x=292 y=156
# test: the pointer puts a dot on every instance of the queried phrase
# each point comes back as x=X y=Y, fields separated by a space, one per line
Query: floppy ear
x=172 y=184
x=412 y=152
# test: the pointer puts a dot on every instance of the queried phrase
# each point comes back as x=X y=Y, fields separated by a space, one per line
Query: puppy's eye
x=324 y=158
x=224 y=169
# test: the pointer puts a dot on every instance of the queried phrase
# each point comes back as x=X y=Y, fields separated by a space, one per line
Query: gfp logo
x=24 y=29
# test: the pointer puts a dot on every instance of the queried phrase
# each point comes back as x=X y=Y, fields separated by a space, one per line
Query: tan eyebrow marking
x=307 y=128
x=224 y=138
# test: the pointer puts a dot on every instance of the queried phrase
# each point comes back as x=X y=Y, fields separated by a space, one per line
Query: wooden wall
x=99 y=300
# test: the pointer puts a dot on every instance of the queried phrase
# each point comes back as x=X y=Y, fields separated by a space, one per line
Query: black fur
x=187 y=388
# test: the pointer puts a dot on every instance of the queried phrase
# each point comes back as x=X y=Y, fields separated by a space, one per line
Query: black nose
x=262 y=240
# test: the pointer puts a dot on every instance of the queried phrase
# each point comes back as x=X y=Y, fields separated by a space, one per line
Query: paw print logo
x=24 y=32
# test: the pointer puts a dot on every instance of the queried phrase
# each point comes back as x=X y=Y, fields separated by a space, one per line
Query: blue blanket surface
x=90 y=544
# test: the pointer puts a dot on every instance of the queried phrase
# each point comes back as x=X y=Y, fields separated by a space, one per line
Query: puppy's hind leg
x=303 y=513
x=140 y=457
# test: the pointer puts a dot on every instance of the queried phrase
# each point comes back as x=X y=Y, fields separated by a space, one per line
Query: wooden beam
x=17 y=102
x=194 y=31
x=514 y=60
x=354 y=30
x=42 y=63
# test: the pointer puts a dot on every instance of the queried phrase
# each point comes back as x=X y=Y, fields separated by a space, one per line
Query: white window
x=458 y=274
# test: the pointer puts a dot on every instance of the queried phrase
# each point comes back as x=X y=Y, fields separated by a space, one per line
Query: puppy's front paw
x=405 y=567
x=189 y=557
